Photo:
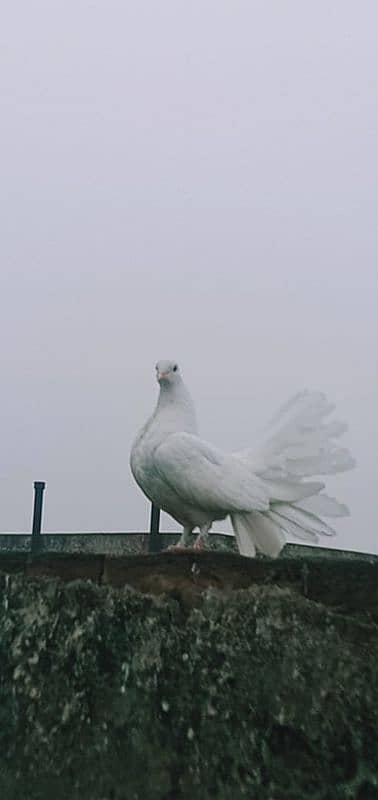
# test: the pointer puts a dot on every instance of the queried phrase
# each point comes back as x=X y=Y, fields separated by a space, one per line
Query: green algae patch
x=111 y=694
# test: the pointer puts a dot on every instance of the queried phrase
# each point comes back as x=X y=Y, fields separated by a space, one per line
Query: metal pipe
x=39 y=487
x=155 y=543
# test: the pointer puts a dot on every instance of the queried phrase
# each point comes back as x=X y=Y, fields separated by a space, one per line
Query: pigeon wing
x=206 y=478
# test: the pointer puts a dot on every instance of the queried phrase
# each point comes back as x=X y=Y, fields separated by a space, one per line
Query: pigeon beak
x=161 y=376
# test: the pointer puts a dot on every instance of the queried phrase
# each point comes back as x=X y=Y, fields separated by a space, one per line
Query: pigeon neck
x=176 y=406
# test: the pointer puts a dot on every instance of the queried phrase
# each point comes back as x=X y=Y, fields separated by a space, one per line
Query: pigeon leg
x=183 y=540
x=202 y=538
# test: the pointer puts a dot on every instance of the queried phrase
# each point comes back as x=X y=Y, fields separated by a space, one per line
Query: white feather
x=243 y=535
x=324 y=505
x=291 y=491
x=257 y=530
x=265 y=494
x=304 y=519
x=292 y=529
x=301 y=444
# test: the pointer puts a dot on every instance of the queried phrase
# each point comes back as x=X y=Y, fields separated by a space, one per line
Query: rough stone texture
x=268 y=691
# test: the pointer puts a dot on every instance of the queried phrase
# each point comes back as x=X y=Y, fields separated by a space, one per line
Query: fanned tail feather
x=291 y=491
x=298 y=523
x=291 y=529
x=300 y=445
x=256 y=531
x=324 y=505
x=304 y=519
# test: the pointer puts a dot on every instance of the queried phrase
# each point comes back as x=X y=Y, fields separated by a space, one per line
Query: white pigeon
x=264 y=493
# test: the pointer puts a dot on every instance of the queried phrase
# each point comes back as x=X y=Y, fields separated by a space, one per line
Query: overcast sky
x=189 y=180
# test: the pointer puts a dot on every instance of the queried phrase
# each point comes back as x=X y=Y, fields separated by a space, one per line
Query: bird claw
x=199 y=544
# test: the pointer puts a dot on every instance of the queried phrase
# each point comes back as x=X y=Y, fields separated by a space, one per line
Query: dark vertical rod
x=154 y=539
x=39 y=487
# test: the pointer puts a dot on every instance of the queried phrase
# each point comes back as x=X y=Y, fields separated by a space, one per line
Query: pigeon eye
x=175 y=368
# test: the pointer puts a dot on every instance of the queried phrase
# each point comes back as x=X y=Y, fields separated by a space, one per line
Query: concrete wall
x=165 y=692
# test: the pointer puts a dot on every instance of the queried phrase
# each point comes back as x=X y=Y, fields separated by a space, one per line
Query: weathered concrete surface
x=120 y=544
x=268 y=691
x=347 y=584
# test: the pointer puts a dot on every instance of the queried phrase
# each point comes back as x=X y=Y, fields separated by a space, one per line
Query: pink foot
x=199 y=544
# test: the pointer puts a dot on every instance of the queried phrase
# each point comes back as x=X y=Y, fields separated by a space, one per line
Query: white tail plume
x=299 y=445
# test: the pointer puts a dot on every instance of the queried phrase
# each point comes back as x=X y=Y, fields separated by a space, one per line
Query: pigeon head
x=167 y=372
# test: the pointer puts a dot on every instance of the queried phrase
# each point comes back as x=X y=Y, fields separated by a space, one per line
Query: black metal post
x=155 y=543
x=39 y=487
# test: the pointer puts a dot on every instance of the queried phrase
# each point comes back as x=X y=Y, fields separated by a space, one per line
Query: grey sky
x=183 y=180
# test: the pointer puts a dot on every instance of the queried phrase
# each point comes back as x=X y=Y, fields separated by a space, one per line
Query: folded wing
x=206 y=478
